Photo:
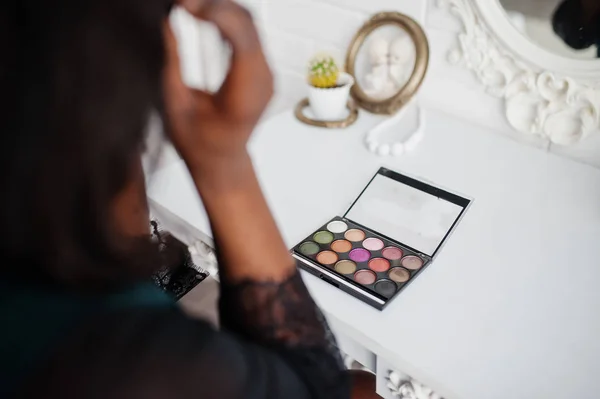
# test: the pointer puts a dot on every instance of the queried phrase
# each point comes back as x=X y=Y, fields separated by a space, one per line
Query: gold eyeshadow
x=341 y=246
x=345 y=267
x=399 y=275
x=354 y=235
x=327 y=257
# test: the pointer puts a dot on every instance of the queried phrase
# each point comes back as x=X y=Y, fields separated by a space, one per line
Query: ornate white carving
x=543 y=103
x=403 y=387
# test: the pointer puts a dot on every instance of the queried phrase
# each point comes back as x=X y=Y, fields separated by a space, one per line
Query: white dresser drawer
x=200 y=246
x=392 y=383
x=355 y=351
x=176 y=226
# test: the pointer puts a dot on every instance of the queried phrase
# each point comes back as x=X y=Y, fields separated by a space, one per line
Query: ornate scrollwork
x=559 y=108
x=403 y=387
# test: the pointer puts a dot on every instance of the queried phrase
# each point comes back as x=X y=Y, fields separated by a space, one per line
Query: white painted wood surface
x=510 y=308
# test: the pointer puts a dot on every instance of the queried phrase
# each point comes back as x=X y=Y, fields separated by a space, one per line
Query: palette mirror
x=388 y=59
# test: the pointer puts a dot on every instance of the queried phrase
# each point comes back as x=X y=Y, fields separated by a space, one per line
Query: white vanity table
x=510 y=307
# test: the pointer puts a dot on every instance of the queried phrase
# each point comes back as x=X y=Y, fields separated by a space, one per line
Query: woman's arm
x=211 y=132
x=263 y=298
x=249 y=243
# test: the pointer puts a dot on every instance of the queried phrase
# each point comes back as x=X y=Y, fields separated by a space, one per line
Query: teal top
x=34 y=318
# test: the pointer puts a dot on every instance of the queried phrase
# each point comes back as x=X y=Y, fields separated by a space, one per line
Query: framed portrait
x=388 y=58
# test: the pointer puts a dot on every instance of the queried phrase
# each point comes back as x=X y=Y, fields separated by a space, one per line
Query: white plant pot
x=330 y=104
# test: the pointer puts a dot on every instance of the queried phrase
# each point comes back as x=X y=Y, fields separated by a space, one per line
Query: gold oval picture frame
x=393 y=104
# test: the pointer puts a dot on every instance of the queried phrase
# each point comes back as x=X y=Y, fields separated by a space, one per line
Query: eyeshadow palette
x=391 y=233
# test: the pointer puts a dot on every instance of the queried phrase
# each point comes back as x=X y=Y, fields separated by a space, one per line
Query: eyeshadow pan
x=399 y=275
x=345 y=267
x=386 y=288
x=309 y=248
x=341 y=246
x=327 y=258
x=360 y=255
x=379 y=265
x=337 y=227
x=373 y=244
x=412 y=262
x=323 y=237
x=355 y=235
x=392 y=253
x=365 y=277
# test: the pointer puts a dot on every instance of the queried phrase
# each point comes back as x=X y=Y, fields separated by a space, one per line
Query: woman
x=79 y=80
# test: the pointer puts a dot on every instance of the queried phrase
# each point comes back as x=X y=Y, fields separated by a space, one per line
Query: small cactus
x=323 y=72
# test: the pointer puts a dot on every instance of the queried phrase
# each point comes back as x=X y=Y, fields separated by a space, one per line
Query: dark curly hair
x=577 y=24
x=78 y=81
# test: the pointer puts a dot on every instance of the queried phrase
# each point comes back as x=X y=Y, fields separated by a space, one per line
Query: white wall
x=294 y=30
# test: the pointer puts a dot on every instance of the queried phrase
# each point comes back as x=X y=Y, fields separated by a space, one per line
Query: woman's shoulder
x=37 y=317
x=141 y=352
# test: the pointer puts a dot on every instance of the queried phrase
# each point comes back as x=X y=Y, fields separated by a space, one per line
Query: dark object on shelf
x=575 y=26
x=179 y=275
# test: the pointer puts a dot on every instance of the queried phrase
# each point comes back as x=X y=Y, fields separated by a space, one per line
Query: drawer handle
x=330 y=281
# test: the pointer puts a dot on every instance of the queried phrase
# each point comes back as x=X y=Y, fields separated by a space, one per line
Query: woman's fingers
x=248 y=86
x=249 y=83
x=236 y=26
x=204 y=126
x=233 y=20
x=172 y=63
x=177 y=96
x=197 y=7
x=182 y=104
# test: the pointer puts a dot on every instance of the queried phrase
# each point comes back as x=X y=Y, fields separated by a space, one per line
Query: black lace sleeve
x=284 y=318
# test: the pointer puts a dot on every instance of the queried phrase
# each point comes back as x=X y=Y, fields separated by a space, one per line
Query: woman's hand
x=211 y=130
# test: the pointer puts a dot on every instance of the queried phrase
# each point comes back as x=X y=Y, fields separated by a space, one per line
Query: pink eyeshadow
x=412 y=262
x=373 y=244
x=392 y=253
x=365 y=277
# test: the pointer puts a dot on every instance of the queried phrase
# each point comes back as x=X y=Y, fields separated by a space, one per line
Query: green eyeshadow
x=323 y=237
x=309 y=248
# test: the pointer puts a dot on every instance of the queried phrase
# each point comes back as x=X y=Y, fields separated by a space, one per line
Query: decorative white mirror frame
x=545 y=94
